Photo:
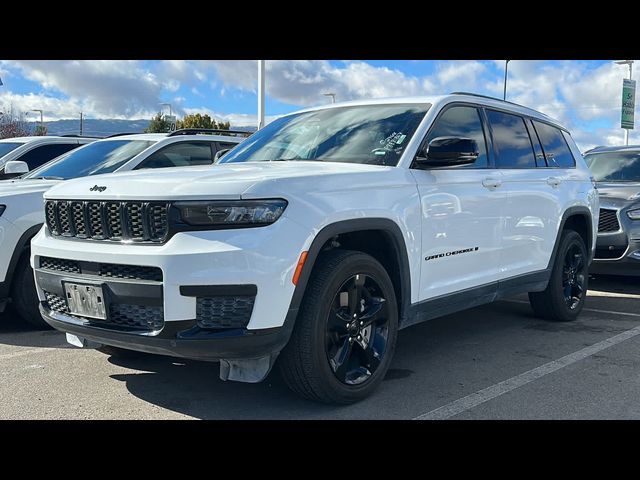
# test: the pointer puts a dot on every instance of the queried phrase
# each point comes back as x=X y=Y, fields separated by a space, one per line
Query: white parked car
x=21 y=214
x=19 y=155
x=320 y=236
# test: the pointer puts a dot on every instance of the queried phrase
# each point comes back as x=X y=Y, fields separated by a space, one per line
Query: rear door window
x=511 y=140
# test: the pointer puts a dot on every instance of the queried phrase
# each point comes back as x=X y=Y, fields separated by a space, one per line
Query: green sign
x=628 y=103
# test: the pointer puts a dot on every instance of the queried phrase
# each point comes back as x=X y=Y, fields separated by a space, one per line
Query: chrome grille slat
x=112 y=220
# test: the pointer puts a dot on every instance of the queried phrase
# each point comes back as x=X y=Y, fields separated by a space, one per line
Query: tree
x=40 y=130
x=13 y=125
x=201 y=121
x=157 y=125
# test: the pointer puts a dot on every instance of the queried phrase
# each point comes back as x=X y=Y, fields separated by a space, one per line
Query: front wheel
x=24 y=296
x=564 y=297
x=346 y=331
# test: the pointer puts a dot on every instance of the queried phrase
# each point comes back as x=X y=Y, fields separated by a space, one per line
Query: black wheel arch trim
x=22 y=245
x=385 y=225
x=572 y=212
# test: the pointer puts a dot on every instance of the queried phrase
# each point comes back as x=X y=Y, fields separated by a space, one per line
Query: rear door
x=532 y=209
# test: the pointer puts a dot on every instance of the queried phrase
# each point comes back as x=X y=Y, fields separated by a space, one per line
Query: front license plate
x=85 y=300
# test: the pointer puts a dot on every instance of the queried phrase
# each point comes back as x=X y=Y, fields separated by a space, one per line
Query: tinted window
x=183 y=154
x=615 y=166
x=556 y=150
x=374 y=134
x=511 y=141
x=6 y=147
x=461 y=122
x=41 y=155
x=225 y=145
x=92 y=159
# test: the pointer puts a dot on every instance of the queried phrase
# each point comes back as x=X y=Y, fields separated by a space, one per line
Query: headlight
x=2 y=208
x=634 y=214
x=230 y=214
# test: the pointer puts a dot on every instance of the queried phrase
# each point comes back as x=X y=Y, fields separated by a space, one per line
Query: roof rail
x=210 y=131
x=80 y=136
x=121 y=134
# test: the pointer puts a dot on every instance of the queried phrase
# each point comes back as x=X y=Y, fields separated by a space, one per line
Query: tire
x=551 y=304
x=305 y=363
x=23 y=295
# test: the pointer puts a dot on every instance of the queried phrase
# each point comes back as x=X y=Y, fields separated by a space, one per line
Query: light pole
x=506 y=67
x=261 y=92
x=37 y=110
x=630 y=63
x=163 y=104
x=332 y=95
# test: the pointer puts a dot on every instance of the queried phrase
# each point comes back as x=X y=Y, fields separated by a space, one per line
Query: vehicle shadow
x=435 y=362
x=14 y=331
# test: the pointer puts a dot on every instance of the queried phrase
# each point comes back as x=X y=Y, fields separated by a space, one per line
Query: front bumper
x=182 y=339
x=625 y=253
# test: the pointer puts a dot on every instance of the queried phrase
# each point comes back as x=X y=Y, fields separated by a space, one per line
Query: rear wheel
x=346 y=330
x=23 y=294
x=564 y=297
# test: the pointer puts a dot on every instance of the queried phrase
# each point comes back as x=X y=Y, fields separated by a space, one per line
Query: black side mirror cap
x=448 y=151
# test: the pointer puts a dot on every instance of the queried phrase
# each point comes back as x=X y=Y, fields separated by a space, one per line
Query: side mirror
x=13 y=169
x=16 y=167
x=448 y=152
x=220 y=153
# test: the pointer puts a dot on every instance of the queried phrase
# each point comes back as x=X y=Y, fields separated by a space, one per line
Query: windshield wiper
x=45 y=178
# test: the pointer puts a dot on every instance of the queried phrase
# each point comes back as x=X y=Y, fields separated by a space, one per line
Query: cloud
x=117 y=88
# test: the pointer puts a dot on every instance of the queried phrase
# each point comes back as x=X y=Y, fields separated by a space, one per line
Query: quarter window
x=462 y=121
x=556 y=150
x=511 y=141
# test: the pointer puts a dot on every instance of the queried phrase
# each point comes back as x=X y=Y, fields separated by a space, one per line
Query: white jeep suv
x=320 y=236
x=21 y=213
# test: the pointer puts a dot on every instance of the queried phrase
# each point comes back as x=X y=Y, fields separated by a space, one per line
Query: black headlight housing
x=227 y=214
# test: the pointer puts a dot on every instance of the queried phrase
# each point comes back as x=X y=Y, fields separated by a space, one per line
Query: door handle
x=554 y=181
x=491 y=183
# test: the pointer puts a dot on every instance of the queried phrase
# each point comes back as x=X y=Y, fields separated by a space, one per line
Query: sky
x=584 y=95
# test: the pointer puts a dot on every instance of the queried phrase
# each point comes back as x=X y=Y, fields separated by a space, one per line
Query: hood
x=618 y=194
x=224 y=181
x=17 y=187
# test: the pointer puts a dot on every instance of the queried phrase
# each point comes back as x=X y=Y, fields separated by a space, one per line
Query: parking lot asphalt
x=493 y=362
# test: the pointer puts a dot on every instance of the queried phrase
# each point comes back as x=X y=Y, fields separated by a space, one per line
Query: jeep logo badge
x=97 y=188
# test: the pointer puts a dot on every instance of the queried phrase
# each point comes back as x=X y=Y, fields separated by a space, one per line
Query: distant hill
x=105 y=127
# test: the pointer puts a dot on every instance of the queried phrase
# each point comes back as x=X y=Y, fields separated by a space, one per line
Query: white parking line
x=22 y=352
x=489 y=393
x=596 y=310
x=596 y=293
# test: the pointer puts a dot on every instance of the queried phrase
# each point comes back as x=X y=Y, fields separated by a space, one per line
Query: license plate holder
x=85 y=300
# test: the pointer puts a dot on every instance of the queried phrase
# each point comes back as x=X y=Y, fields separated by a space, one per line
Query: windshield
x=615 y=166
x=93 y=159
x=374 y=134
x=6 y=147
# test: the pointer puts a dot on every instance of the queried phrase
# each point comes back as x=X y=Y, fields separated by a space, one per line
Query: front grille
x=109 y=220
x=131 y=272
x=138 y=317
x=608 y=221
x=59 y=265
x=108 y=270
x=56 y=303
x=607 y=253
x=224 y=311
